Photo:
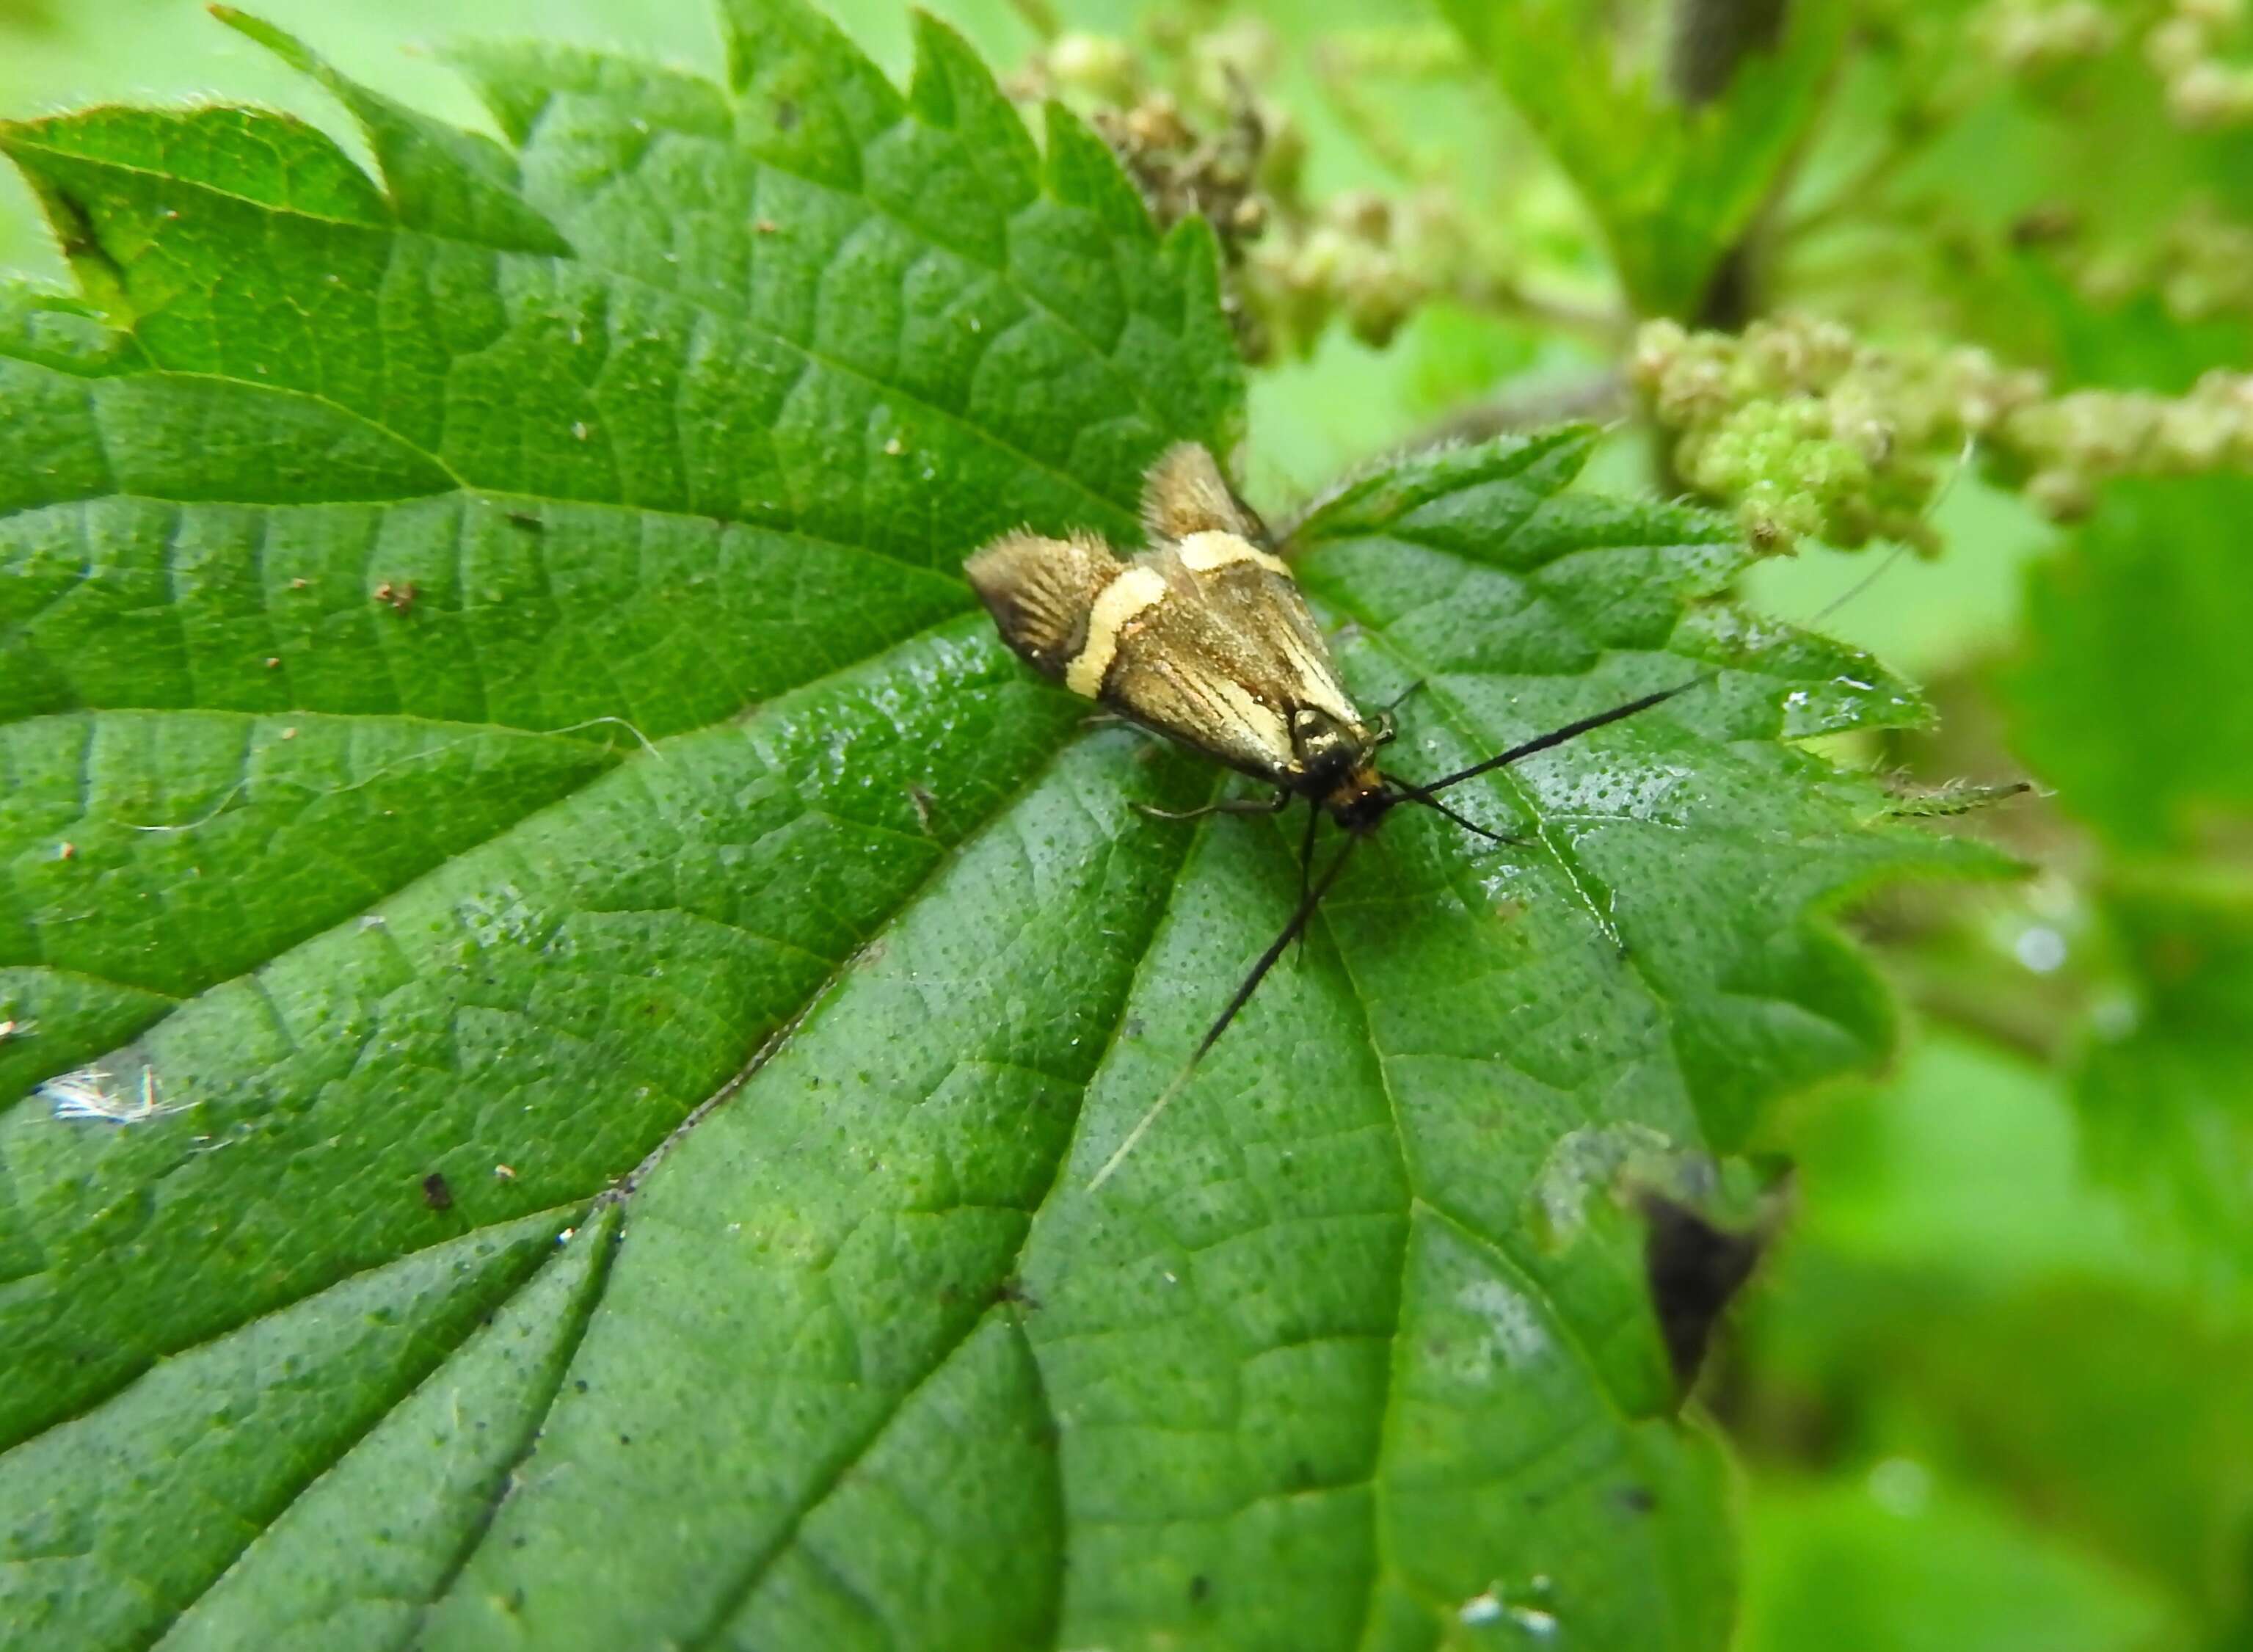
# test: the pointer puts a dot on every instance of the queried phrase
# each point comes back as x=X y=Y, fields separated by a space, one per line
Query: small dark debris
x=2044 y=225
x=437 y=1193
x=1692 y=1268
x=581 y=1385
x=1637 y=1500
x=1013 y=1290
x=1200 y=1587
x=785 y=115
x=528 y=521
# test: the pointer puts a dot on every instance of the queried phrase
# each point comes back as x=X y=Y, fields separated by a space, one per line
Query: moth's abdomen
x=1043 y=593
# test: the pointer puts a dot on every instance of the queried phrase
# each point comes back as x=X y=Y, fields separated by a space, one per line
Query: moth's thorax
x=1328 y=749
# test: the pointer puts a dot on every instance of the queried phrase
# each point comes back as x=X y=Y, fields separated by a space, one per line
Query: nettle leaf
x=2164 y=1090
x=2144 y=608
x=1672 y=188
x=2132 y=696
x=487 y=676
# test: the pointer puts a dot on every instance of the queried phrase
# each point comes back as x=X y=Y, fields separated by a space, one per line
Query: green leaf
x=1896 y=1565
x=1969 y=1343
x=497 y=751
x=1673 y=188
x=2133 y=699
x=2166 y=1083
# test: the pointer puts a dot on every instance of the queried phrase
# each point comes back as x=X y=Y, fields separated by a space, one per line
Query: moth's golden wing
x=1205 y=639
x=1225 y=656
x=1185 y=493
x=1042 y=592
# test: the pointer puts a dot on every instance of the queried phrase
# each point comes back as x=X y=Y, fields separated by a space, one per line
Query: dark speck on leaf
x=581 y=1385
x=528 y=522
x=1637 y=1500
x=785 y=115
x=1692 y=1268
x=1200 y=1587
x=436 y=1192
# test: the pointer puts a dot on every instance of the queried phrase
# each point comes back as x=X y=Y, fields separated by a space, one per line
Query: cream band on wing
x=1318 y=685
x=1119 y=602
x=1264 y=722
x=1202 y=553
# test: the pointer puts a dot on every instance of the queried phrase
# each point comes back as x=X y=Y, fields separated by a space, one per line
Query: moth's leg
x=1275 y=804
x=1100 y=719
x=1306 y=873
x=1385 y=730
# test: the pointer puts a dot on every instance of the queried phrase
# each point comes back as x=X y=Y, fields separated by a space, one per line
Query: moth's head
x=1361 y=800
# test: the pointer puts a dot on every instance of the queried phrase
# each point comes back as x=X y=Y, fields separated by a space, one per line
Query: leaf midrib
x=739 y=1590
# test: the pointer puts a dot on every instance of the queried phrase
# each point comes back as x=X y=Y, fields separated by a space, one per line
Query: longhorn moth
x=1204 y=637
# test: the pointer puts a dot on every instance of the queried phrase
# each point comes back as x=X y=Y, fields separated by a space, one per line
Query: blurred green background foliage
x=1976 y=278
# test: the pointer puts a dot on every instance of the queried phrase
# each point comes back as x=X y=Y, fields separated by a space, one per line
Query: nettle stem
x=1707 y=41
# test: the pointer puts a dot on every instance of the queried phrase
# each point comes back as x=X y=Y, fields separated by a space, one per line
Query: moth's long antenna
x=1300 y=919
x=1575 y=730
x=1964 y=458
x=1884 y=567
x=1413 y=793
x=1570 y=731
